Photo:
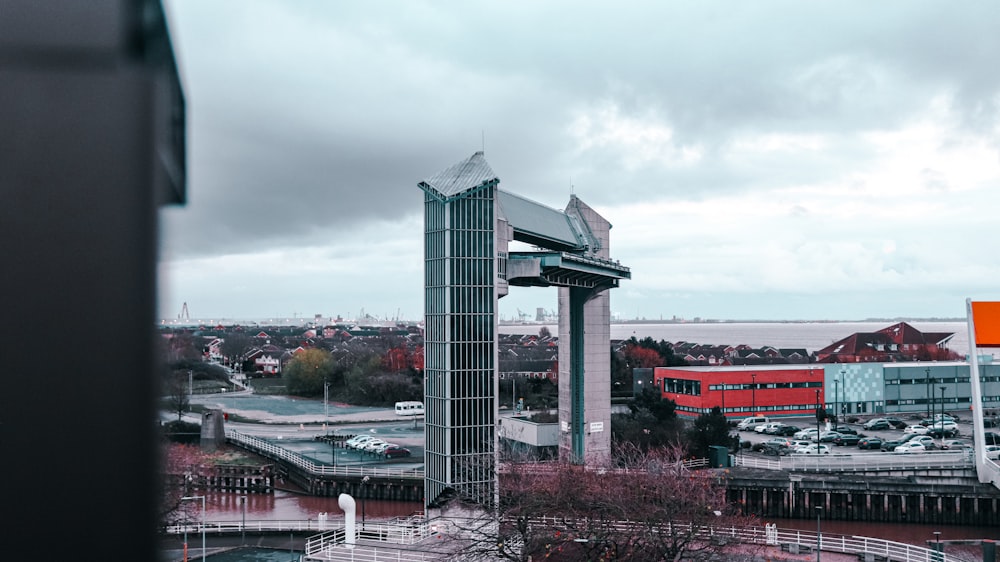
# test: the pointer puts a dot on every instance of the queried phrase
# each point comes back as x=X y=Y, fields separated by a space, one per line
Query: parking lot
x=964 y=427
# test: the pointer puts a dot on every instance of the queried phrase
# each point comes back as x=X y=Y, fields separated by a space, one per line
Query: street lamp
x=202 y=498
x=364 y=496
x=941 y=421
x=937 y=546
x=836 y=404
x=817 y=421
x=927 y=390
x=819 y=533
x=843 y=392
x=753 y=389
x=243 y=526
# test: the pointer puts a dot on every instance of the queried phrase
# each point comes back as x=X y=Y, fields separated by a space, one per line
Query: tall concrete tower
x=468 y=225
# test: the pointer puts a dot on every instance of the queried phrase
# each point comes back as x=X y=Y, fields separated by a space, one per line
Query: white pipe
x=347 y=503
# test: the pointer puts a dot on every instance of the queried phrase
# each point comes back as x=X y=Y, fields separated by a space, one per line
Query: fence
x=275 y=452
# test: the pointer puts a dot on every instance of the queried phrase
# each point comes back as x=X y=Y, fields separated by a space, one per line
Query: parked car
x=991 y=438
x=358 y=441
x=870 y=443
x=892 y=444
x=813 y=449
x=372 y=446
x=766 y=427
x=396 y=451
x=846 y=439
x=752 y=423
x=896 y=423
x=876 y=424
x=844 y=430
x=828 y=436
x=945 y=428
x=379 y=448
x=776 y=448
x=953 y=444
x=807 y=434
x=788 y=430
x=926 y=440
x=910 y=447
x=916 y=429
x=993 y=452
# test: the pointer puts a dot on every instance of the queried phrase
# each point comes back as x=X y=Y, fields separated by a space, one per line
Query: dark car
x=991 y=438
x=870 y=443
x=896 y=423
x=393 y=452
x=844 y=430
x=788 y=430
x=828 y=436
x=846 y=439
x=890 y=445
x=939 y=433
x=880 y=424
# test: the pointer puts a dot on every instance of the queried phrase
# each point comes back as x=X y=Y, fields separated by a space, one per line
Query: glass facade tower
x=460 y=350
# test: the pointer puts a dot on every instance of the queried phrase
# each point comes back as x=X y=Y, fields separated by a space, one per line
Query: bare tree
x=645 y=507
x=177 y=392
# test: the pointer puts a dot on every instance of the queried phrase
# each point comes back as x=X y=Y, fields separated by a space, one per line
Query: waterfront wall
x=779 y=494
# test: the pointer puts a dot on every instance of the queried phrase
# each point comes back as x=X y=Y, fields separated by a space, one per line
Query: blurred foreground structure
x=93 y=119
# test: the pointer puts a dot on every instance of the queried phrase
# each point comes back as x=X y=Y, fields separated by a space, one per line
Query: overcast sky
x=764 y=160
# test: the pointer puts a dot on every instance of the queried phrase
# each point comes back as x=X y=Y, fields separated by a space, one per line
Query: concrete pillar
x=989 y=550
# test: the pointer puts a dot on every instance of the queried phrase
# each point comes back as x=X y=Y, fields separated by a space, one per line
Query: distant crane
x=521 y=315
x=184 y=315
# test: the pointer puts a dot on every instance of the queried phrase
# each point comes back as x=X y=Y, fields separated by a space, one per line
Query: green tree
x=651 y=423
x=307 y=371
x=709 y=429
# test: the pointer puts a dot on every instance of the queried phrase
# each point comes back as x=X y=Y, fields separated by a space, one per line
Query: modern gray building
x=469 y=224
x=911 y=387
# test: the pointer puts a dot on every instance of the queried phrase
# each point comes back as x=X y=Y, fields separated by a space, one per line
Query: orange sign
x=986 y=322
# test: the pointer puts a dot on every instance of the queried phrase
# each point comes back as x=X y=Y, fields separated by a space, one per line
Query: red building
x=899 y=342
x=743 y=390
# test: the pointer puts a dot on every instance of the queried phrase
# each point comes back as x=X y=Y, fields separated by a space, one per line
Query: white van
x=749 y=424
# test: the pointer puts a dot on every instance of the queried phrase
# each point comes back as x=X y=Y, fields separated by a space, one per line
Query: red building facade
x=744 y=390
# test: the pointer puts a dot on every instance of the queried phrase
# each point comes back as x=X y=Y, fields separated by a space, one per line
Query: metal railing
x=329 y=545
x=273 y=451
x=861 y=462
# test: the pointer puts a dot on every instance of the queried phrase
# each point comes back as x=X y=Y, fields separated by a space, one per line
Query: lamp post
x=817 y=421
x=937 y=544
x=753 y=390
x=843 y=391
x=364 y=496
x=927 y=390
x=819 y=532
x=243 y=525
x=941 y=421
x=202 y=498
x=836 y=404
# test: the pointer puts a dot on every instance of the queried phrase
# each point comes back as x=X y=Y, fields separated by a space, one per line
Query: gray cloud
x=310 y=120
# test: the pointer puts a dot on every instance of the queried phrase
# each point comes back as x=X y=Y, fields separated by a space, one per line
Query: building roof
x=538 y=224
x=461 y=178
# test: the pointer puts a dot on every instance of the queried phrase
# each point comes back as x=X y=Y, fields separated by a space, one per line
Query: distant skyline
x=774 y=161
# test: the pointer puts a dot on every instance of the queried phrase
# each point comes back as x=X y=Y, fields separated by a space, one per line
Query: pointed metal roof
x=461 y=178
